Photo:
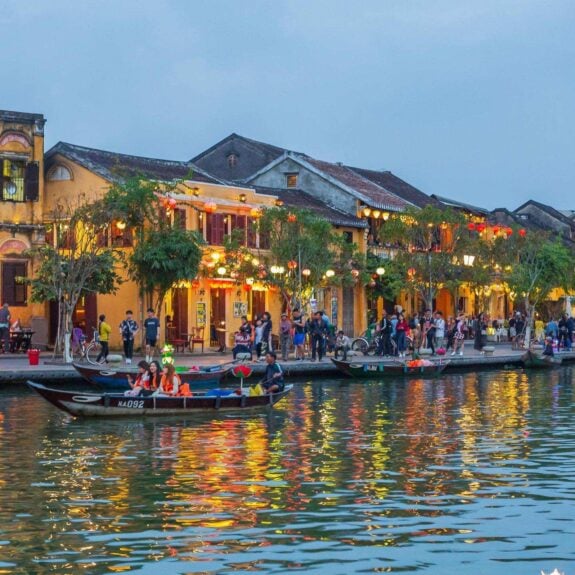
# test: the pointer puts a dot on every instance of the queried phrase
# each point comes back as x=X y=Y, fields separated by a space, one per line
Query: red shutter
x=32 y=182
x=216 y=229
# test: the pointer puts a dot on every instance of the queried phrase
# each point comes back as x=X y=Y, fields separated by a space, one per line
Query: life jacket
x=167 y=385
x=152 y=383
x=184 y=390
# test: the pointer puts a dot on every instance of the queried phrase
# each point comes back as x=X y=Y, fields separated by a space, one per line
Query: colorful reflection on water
x=467 y=474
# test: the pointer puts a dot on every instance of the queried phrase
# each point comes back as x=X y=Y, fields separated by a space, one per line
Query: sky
x=469 y=99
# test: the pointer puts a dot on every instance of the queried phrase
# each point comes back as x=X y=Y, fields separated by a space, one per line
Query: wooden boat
x=379 y=369
x=534 y=360
x=78 y=403
x=108 y=378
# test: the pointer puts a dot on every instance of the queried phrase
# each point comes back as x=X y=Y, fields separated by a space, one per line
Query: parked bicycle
x=90 y=347
x=369 y=341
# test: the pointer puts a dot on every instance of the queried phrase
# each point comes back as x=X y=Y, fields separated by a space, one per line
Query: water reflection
x=473 y=471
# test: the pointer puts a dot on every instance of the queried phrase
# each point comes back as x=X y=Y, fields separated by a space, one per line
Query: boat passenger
x=170 y=382
x=548 y=351
x=142 y=378
x=154 y=377
x=342 y=344
x=273 y=381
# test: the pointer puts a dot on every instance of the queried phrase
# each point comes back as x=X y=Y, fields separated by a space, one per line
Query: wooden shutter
x=216 y=229
x=32 y=182
x=14 y=293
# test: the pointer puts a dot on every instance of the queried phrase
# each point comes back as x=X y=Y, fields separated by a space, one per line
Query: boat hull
x=81 y=404
x=532 y=360
x=116 y=379
x=368 y=370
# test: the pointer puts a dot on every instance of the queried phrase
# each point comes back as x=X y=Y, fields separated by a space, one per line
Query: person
x=242 y=341
x=154 y=377
x=401 y=329
x=128 y=329
x=439 y=329
x=259 y=330
x=429 y=331
x=5 y=327
x=414 y=328
x=266 y=333
x=479 y=333
x=137 y=385
x=104 y=331
x=548 y=351
x=246 y=327
x=384 y=335
x=170 y=381
x=16 y=326
x=318 y=333
x=564 y=335
x=539 y=330
x=450 y=332
x=459 y=335
x=78 y=339
x=299 y=334
x=285 y=336
x=152 y=333
x=342 y=344
x=273 y=381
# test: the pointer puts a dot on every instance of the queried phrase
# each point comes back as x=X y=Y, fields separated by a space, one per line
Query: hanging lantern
x=470 y=226
x=480 y=228
x=329 y=273
x=172 y=203
x=292 y=265
x=411 y=272
x=291 y=218
x=355 y=273
x=255 y=213
x=495 y=230
x=508 y=231
x=306 y=272
x=522 y=232
x=222 y=271
x=195 y=284
x=210 y=207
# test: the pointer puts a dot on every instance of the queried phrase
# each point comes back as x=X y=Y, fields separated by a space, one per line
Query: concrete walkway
x=16 y=368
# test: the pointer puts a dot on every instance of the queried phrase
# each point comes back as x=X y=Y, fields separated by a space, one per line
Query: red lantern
x=292 y=265
x=522 y=232
x=508 y=231
x=210 y=207
x=470 y=226
x=480 y=228
x=411 y=272
x=292 y=218
x=195 y=284
x=495 y=230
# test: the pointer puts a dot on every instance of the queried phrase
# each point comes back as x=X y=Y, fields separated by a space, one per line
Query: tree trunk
x=529 y=312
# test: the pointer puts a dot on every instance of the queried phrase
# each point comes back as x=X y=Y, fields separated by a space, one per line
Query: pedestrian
x=298 y=334
x=266 y=342
x=439 y=329
x=459 y=335
x=5 y=327
x=152 y=333
x=259 y=329
x=479 y=333
x=104 y=331
x=285 y=336
x=429 y=331
x=415 y=330
x=318 y=333
x=401 y=329
x=128 y=329
x=384 y=335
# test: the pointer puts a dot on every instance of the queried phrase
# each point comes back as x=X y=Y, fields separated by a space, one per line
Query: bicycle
x=87 y=347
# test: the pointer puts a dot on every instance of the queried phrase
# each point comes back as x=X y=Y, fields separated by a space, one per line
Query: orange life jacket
x=168 y=384
x=184 y=390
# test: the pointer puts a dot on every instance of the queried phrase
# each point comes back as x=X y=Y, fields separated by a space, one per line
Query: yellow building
x=21 y=213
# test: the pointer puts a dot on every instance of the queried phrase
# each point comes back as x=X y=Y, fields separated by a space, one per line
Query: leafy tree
x=163 y=257
x=426 y=247
x=74 y=266
x=540 y=264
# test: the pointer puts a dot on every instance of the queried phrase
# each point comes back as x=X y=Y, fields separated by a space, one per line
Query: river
x=468 y=474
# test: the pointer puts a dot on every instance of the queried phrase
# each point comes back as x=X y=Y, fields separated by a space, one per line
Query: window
x=216 y=228
x=14 y=290
x=291 y=180
x=180 y=218
x=348 y=237
x=19 y=180
x=232 y=160
x=59 y=173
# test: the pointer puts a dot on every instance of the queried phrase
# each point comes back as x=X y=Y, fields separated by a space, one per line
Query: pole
x=430 y=290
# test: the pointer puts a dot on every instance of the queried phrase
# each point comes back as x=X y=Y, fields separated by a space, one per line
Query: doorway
x=218 y=317
x=258 y=303
x=179 y=327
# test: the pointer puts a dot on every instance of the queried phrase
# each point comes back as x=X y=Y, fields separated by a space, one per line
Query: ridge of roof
x=458 y=204
x=548 y=209
x=104 y=163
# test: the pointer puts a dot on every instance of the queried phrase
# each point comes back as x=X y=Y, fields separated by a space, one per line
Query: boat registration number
x=134 y=403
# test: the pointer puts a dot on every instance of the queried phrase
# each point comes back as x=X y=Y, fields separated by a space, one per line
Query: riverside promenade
x=15 y=368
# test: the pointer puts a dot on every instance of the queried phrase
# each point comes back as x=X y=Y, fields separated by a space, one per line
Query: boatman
x=273 y=381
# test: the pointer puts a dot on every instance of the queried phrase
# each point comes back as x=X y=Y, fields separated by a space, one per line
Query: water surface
x=467 y=474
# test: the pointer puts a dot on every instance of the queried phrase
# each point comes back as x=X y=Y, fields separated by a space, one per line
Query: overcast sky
x=469 y=99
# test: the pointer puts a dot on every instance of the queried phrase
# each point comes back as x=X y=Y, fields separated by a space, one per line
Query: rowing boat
x=533 y=360
x=108 y=378
x=377 y=369
x=82 y=404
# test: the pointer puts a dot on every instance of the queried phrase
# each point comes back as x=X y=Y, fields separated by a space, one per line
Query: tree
x=76 y=264
x=539 y=265
x=305 y=252
x=425 y=244
x=163 y=257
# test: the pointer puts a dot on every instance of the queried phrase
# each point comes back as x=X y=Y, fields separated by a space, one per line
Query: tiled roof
x=252 y=155
x=113 y=167
x=397 y=186
x=373 y=193
x=9 y=116
x=299 y=199
x=460 y=205
x=548 y=210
